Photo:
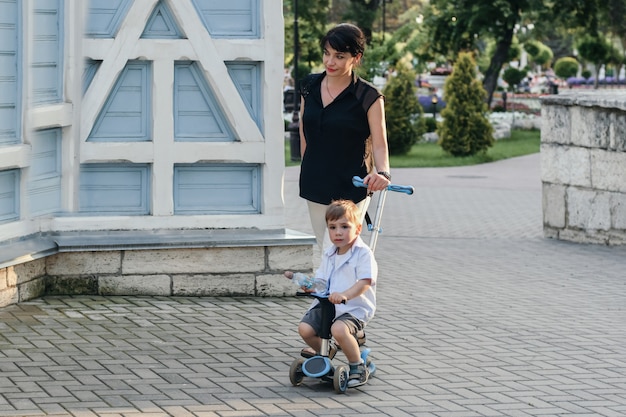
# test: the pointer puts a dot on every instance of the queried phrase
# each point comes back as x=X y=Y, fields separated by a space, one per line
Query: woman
x=339 y=113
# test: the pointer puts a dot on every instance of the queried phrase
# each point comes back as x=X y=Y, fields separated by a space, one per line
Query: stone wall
x=246 y=271
x=22 y=282
x=583 y=166
x=218 y=264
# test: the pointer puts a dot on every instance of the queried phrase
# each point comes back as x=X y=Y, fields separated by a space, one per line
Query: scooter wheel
x=340 y=379
x=295 y=372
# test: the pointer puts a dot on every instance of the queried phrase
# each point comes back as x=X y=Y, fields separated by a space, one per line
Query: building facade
x=147 y=132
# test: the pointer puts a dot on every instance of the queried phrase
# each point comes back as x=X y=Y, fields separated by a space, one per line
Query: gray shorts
x=313 y=318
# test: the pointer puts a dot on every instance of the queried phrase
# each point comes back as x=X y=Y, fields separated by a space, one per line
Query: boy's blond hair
x=340 y=208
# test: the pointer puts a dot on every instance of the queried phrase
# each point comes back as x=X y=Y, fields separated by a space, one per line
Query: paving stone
x=478 y=315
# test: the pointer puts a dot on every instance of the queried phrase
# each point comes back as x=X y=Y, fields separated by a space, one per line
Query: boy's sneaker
x=358 y=375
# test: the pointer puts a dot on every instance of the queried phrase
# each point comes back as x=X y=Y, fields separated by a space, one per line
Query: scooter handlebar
x=315 y=295
x=406 y=189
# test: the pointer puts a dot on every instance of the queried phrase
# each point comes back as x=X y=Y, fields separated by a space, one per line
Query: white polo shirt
x=343 y=271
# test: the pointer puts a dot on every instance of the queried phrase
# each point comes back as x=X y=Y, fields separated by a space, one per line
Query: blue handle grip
x=406 y=189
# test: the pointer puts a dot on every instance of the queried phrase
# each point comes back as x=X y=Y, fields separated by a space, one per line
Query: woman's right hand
x=376 y=182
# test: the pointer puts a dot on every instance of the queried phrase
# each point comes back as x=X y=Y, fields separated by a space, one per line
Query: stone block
x=565 y=165
x=618 y=211
x=553 y=200
x=34 y=288
x=274 y=285
x=295 y=258
x=71 y=285
x=30 y=270
x=591 y=166
x=190 y=261
x=11 y=277
x=84 y=263
x=135 y=285
x=583 y=236
x=8 y=296
x=213 y=285
x=550 y=233
x=556 y=126
x=588 y=209
x=617 y=141
x=617 y=237
x=608 y=170
x=3 y=279
x=590 y=127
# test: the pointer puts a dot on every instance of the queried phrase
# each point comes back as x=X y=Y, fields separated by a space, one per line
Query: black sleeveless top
x=335 y=140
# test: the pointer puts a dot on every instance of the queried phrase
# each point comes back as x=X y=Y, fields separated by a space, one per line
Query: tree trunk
x=364 y=13
x=500 y=57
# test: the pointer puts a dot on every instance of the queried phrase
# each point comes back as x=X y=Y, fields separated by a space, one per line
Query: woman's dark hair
x=345 y=37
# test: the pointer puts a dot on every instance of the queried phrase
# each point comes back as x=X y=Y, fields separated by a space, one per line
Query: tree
x=513 y=77
x=613 y=25
x=459 y=25
x=403 y=46
x=566 y=67
x=465 y=129
x=483 y=60
x=405 y=122
x=363 y=13
x=311 y=27
x=399 y=11
x=540 y=53
x=594 y=49
x=316 y=16
x=613 y=12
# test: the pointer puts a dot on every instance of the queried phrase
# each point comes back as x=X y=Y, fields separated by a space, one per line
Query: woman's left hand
x=376 y=182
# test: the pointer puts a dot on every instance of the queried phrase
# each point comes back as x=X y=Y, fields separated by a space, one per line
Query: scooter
x=320 y=366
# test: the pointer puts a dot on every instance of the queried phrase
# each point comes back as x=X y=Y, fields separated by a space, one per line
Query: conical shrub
x=404 y=114
x=465 y=129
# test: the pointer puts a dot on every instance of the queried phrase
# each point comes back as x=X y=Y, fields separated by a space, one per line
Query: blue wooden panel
x=104 y=17
x=9 y=195
x=115 y=189
x=44 y=183
x=197 y=114
x=9 y=73
x=217 y=189
x=230 y=19
x=247 y=79
x=126 y=114
x=161 y=24
x=89 y=71
x=47 y=51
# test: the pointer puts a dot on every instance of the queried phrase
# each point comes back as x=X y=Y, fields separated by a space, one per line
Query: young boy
x=351 y=270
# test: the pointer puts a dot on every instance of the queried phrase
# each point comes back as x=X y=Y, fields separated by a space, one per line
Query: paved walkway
x=479 y=315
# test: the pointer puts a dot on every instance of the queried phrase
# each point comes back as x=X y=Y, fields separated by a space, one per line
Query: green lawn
x=423 y=155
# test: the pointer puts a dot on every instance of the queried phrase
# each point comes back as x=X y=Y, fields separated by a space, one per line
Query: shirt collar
x=351 y=87
x=358 y=243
